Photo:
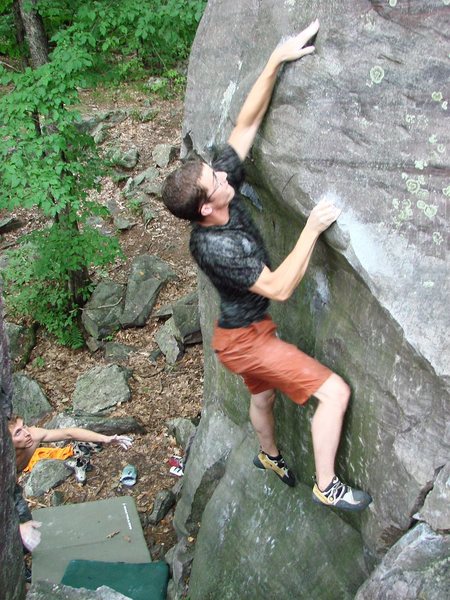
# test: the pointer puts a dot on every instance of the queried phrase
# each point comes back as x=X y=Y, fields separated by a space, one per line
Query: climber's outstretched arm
x=280 y=284
x=255 y=106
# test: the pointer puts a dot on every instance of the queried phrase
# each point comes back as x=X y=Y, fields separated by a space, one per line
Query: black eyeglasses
x=217 y=185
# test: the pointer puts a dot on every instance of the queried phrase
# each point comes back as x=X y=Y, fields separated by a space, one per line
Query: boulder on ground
x=101 y=388
x=147 y=275
x=168 y=339
x=114 y=351
x=29 y=400
x=187 y=321
x=137 y=183
x=45 y=590
x=125 y=160
x=98 y=423
x=182 y=429
x=21 y=341
x=417 y=566
x=102 y=312
x=46 y=474
x=166 y=310
x=164 y=501
x=9 y=224
x=122 y=223
x=162 y=154
x=179 y=558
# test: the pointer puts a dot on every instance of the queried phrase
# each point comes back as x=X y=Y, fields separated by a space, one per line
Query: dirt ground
x=159 y=392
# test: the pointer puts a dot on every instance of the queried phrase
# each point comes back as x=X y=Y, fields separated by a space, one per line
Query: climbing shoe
x=275 y=464
x=79 y=465
x=340 y=495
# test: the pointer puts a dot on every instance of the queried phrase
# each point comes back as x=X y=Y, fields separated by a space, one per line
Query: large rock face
x=12 y=580
x=363 y=120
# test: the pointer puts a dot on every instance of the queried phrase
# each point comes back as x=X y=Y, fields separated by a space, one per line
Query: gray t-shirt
x=233 y=255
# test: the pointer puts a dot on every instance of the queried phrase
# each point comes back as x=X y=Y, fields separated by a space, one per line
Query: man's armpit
x=264 y=285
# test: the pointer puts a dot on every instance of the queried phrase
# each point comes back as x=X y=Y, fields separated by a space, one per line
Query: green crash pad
x=106 y=530
x=138 y=582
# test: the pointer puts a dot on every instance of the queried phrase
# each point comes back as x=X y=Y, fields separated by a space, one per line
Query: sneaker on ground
x=85 y=448
x=275 y=464
x=340 y=495
x=79 y=467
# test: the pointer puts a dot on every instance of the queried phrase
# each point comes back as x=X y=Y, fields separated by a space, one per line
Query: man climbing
x=229 y=248
x=26 y=440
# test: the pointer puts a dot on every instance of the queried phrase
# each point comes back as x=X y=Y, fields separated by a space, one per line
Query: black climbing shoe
x=275 y=464
x=340 y=495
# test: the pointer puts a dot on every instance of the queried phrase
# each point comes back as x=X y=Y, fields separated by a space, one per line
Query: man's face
x=21 y=437
x=219 y=192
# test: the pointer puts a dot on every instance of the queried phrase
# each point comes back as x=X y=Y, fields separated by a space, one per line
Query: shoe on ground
x=342 y=496
x=275 y=464
x=85 y=448
x=79 y=466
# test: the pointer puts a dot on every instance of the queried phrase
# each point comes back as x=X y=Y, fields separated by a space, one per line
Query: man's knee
x=342 y=393
x=264 y=400
x=336 y=391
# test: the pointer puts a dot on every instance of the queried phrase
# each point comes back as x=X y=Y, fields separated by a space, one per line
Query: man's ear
x=206 y=209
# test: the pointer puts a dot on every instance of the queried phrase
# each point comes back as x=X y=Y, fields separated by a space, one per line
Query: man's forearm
x=85 y=435
x=258 y=99
x=257 y=102
x=279 y=284
x=291 y=271
x=70 y=433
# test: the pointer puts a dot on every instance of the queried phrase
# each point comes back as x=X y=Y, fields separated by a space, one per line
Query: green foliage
x=126 y=38
x=39 y=362
x=169 y=85
x=38 y=274
x=134 y=205
x=47 y=163
x=8 y=43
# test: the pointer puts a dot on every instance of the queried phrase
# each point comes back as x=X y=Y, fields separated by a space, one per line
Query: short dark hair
x=182 y=194
x=12 y=421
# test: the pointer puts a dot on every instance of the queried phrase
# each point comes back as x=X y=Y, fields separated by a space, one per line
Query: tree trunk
x=34 y=32
x=30 y=24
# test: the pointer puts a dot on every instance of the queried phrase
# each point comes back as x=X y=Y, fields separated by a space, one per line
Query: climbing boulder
x=371 y=135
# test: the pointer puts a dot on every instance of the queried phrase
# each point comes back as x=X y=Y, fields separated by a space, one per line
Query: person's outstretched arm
x=79 y=435
x=255 y=106
x=279 y=284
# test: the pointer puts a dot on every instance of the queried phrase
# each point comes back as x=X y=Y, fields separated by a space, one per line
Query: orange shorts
x=265 y=362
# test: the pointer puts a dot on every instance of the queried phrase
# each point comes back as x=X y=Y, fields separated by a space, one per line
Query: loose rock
x=101 y=315
x=29 y=400
x=46 y=474
x=164 y=501
x=101 y=388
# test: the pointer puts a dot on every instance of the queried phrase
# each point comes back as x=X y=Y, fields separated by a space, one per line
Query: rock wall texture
x=12 y=581
x=364 y=120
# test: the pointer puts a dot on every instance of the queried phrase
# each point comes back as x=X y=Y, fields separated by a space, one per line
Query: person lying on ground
x=228 y=247
x=26 y=440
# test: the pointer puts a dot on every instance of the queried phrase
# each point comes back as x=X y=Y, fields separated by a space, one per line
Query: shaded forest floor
x=159 y=392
